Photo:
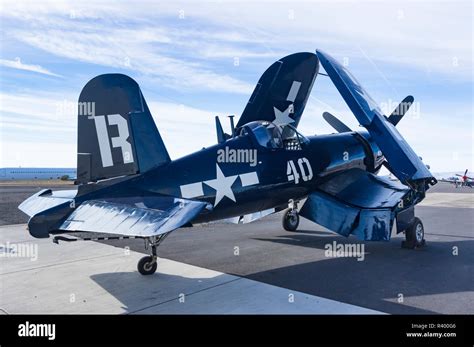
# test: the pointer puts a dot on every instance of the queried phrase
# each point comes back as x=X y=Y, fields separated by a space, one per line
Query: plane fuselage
x=238 y=176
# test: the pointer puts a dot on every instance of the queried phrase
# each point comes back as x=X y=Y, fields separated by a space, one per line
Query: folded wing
x=402 y=160
x=281 y=93
x=339 y=205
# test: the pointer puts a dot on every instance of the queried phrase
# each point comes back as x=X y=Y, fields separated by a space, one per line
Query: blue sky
x=195 y=60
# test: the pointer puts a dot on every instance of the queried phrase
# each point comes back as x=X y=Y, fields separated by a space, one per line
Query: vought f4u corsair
x=128 y=187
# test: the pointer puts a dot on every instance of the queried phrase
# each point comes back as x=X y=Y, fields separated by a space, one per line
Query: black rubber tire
x=144 y=266
x=290 y=220
x=414 y=235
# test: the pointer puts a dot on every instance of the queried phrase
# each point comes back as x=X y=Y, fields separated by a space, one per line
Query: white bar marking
x=191 y=190
x=295 y=88
x=249 y=179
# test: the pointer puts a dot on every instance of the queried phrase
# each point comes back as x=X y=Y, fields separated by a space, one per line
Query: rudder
x=116 y=132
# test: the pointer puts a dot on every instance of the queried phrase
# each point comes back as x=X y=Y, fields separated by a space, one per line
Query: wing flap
x=121 y=216
x=251 y=217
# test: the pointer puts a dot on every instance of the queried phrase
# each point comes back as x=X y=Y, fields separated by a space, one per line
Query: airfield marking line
x=59 y=264
x=457 y=204
x=446 y=235
x=17 y=242
x=4 y=311
x=11 y=225
x=196 y=292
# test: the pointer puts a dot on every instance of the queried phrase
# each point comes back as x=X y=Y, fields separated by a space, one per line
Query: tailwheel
x=291 y=219
x=147 y=265
x=414 y=235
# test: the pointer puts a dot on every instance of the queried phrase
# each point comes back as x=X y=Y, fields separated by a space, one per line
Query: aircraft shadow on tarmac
x=145 y=294
x=376 y=282
x=386 y=271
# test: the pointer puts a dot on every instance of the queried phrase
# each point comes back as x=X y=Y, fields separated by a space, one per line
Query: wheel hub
x=292 y=217
x=419 y=233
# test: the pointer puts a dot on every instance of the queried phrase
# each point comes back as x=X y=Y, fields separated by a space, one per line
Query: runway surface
x=97 y=278
x=436 y=279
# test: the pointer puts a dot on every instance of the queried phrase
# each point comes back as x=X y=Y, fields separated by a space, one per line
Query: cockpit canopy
x=273 y=136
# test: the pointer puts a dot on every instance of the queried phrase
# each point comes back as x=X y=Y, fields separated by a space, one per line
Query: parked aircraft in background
x=36 y=173
x=460 y=180
x=130 y=188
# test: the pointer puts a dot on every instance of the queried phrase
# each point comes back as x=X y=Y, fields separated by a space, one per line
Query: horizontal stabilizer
x=132 y=218
x=46 y=208
x=46 y=199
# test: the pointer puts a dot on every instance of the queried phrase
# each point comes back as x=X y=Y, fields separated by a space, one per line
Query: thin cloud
x=17 y=64
x=37 y=119
x=126 y=52
x=194 y=56
x=407 y=33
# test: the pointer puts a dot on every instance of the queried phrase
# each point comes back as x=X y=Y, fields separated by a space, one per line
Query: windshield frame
x=263 y=133
x=303 y=140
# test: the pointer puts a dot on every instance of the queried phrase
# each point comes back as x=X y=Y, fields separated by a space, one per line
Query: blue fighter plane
x=128 y=187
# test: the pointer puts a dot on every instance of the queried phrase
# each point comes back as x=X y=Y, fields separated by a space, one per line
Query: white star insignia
x=283 y=118
x=222 y=185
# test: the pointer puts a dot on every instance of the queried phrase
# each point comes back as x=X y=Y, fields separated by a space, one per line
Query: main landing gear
x=147 y=265
x=414 y=235
x=291 y=218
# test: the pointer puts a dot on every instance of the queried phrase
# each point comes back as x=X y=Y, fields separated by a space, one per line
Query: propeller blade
x=336 y=123
x=400 y=110
x=465 y=172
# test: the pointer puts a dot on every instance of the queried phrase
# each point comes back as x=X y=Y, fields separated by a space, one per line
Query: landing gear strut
x=414 y=235
x=147 y=265
x=291 y=218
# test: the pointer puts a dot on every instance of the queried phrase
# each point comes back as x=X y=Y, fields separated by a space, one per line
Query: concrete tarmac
x=39 y=277
x=254 y=267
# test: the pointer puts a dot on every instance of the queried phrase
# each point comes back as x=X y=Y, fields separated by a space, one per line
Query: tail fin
x=116 y=132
